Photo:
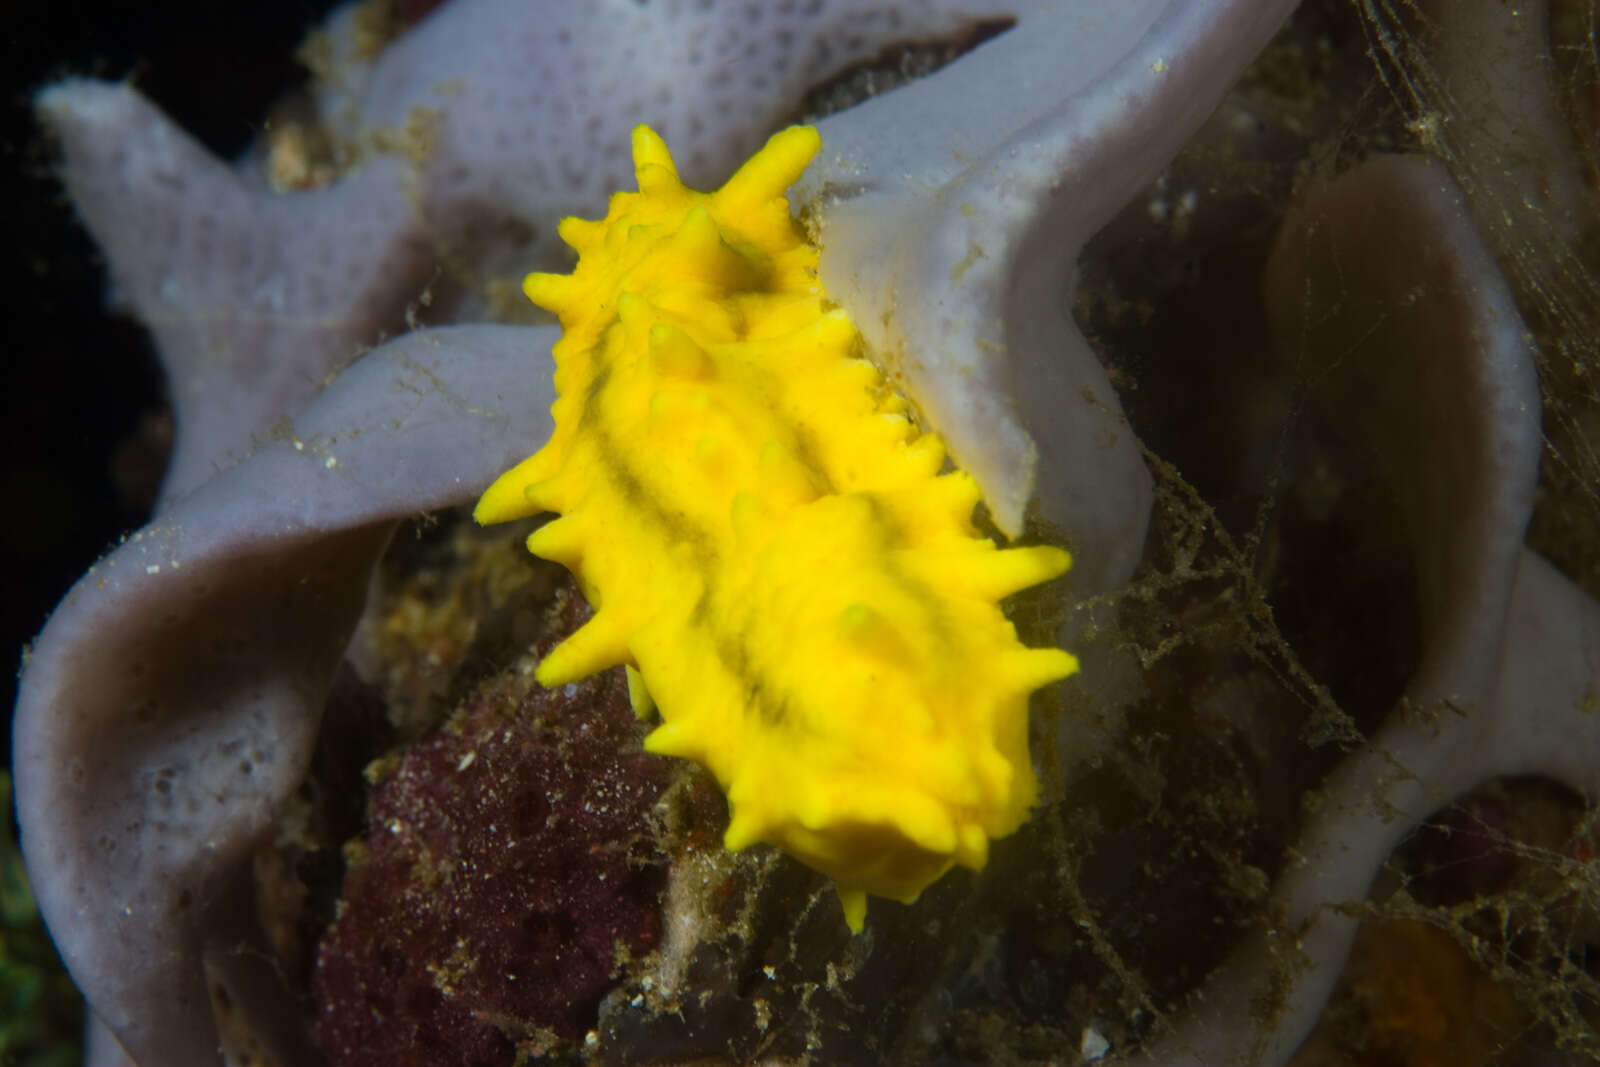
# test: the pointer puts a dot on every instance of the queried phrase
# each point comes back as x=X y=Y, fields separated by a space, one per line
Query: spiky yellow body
x=768 y=542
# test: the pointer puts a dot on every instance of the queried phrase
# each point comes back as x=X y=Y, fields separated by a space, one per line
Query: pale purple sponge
x=474 y=133
x=954 y=215
x=172 y=702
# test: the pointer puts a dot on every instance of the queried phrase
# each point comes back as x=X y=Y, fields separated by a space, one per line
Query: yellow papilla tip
x=657 y=181
x=785 y=482
x=894 y=427
x=507 y=498
x=633 y=309
x=649 y=150
x=858 y=621
x=835 y=329
x=673 y=739
x=1035 y=667
x=770 y=171
x=827 y=341
x=600 y=643
x=926 y=455
x=997 y=574
x=872 y=633
x=973 y=851
x=744 y=829
x=854 y=903
x=639 y=693
x=675 y=354
x=559 y=541
x=958 y=488
x=543 y=495
x=698 y=234
x=995 y=771
x=580 y=235
x=553 y=292
x=1052 y=562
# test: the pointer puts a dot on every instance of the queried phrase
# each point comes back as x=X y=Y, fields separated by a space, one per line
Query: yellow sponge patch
x=769 y=544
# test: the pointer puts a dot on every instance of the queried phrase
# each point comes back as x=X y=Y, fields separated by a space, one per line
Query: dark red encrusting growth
x=507 y=862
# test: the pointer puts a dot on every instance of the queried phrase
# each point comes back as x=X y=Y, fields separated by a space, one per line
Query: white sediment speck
x=1092 y=1045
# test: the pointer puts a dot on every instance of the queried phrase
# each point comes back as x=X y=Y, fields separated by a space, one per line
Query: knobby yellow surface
x=768 y=543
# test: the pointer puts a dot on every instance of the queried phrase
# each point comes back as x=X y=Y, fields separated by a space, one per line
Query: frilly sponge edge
x=768 y=542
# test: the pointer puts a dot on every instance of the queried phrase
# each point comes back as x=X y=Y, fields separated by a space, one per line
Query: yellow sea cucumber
x=768 y=541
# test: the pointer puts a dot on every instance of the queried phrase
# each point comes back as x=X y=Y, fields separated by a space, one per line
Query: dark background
x=78 y=380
